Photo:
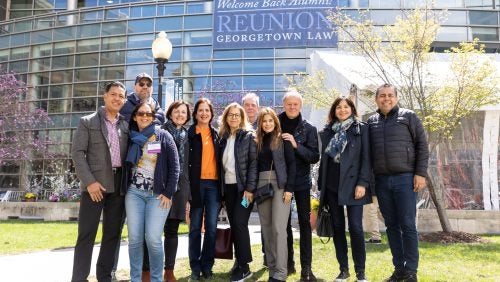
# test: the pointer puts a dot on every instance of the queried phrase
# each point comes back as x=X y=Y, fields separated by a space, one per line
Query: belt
x=116 y=169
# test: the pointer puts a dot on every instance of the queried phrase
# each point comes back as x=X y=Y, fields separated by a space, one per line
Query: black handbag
x=324 y=225
x=223 y=244
x=264 y=192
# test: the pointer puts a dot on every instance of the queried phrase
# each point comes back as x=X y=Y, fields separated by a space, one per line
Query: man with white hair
x=304 y=139
x=250 y=103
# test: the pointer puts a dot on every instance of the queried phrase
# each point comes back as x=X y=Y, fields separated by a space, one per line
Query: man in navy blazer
x=99 y=146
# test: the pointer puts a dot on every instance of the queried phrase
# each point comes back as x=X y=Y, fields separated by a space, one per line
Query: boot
x=146 y=276
x=169 y=276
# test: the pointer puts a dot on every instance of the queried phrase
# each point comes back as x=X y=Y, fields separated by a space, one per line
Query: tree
x=19 y=123
x=400 y=54
x=313 y=89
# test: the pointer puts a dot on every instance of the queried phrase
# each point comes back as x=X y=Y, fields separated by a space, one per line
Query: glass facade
x=65 y=54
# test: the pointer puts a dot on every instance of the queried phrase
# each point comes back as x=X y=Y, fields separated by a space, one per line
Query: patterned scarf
x=339 y=140
x=179 y=135
x=138 y=139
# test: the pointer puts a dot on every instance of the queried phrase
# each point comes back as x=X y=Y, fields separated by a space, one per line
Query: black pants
x=355 y=220
x=238 y=220
x=171 y=231
x=112 y=206
x=303 y=200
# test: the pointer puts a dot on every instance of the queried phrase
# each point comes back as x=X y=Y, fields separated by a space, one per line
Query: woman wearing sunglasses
x=151 y=175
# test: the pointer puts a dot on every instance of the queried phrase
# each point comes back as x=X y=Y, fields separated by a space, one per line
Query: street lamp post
x=162 y=50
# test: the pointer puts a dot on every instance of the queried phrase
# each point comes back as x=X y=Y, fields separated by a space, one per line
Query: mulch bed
x=453 y=237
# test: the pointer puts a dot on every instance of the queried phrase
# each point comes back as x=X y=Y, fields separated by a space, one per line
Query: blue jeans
x=145 y=220
x=397 y=203
x=355 y=220
x=210 y=201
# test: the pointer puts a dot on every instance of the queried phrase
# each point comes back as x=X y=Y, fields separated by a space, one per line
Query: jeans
x=355 y=219
x=397 y=203
x=203 y=260
x=145 y=220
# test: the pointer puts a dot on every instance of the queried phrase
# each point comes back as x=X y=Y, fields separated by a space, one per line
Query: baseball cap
x=141 y=76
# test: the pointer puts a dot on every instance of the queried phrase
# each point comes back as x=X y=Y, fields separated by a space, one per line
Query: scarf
x=179 y=135
x=339 y=140
x=138 y=140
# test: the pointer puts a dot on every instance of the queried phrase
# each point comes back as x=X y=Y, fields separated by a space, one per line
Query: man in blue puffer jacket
x=400 y=157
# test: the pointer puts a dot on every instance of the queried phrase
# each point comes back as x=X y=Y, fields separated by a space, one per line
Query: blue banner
x=273 y=23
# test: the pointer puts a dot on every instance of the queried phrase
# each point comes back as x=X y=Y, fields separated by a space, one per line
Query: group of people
x=148 y=168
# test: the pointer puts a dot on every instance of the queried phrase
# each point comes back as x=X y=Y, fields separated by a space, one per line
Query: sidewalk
x=56 y=265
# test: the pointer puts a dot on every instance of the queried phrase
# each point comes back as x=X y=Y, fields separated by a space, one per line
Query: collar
x=390 y=113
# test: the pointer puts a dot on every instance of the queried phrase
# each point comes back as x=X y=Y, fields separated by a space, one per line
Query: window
x=87 y=60
x=91 y=30
x=197 y=37
x=140 y=26
x=62 y=62
x=114 y=28
x=64 y=33
x=61 y=77
x=60 y=91
x=197 y=22
x=84 y=104
x=483 y=18
x=453 y=34
x=112 y=73
x=258 y=66
x=84 y=89
x=64 y=48
x=140 y=41
x=197 y=53
x=112 y=43
x=485 y=33
x=226 y=67
x=165 y=10
x=113 y=58
x=41 y=36
x=86 y=74
x=171 y=23
x=88 y=45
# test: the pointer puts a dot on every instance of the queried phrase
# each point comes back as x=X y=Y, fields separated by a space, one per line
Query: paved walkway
x=56 y=265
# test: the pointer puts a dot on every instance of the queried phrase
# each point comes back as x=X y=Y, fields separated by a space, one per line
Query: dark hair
x=114 y=84
x=197 y=105
x=331 y=115
x=132 y=122
x=386 y=85
x=174 y=106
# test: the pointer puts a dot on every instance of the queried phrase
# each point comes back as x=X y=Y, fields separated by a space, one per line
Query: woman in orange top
x=203 y=142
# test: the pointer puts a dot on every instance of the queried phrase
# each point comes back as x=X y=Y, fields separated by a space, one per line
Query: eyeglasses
x=144 y=114
x=141 y=84
x=236 y=116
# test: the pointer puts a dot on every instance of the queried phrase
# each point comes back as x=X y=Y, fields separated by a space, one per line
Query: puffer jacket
x=306 y=153
x=245 y=154
x=398 y=143
x=133 y=101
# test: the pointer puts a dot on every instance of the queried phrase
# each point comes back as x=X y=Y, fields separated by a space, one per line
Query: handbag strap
x=270 y=169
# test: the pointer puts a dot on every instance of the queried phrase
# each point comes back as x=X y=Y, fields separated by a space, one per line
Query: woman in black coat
x=239 y=177
x=344 y=176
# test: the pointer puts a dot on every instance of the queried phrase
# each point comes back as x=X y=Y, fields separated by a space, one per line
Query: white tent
x=351 y=74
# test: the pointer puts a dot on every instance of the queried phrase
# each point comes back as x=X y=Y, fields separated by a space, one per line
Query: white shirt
x=228 y=161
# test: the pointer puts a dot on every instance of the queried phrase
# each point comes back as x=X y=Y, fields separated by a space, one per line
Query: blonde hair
x=224 y=127
x=275 y=135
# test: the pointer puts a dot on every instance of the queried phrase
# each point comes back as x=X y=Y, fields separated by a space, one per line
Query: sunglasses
x=144 y=114
x=141 y=84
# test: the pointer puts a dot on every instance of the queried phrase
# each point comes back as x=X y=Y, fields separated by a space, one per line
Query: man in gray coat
x=99 y=145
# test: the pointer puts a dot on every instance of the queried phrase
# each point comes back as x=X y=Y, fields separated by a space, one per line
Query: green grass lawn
x=438 y=262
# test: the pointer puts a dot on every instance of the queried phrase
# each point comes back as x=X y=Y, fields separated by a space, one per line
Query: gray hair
x=250 y=95
x=292 y=93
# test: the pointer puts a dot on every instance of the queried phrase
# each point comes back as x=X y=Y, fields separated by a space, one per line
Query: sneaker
x=207 y=274
x=374 y=241
x=396 y=276
x=343 y=275
x=410 y=276
x=195 y=276
x=240 y=274
x=361 y=277
x=307 y=275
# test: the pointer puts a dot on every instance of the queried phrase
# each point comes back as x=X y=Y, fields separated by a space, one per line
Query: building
x=65 y=50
